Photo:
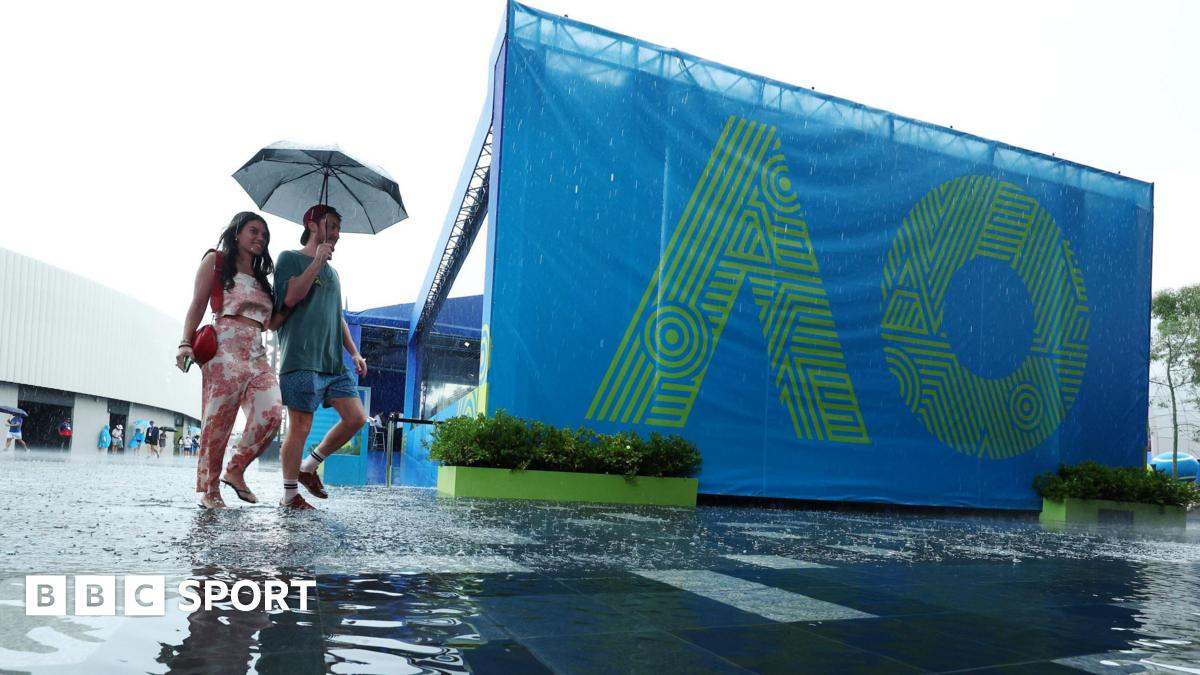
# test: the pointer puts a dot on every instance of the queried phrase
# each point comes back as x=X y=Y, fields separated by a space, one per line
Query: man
x=308 y=293
x=64 y=434
x=118 y=438
x=152 y=438
x=14 y=432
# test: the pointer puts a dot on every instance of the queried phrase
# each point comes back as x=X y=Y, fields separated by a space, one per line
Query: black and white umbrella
x=286 y=178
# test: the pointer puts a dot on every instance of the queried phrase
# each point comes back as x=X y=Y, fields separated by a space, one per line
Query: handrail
x=394 y=418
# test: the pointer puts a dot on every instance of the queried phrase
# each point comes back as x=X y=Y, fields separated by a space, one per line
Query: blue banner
x=832 y=301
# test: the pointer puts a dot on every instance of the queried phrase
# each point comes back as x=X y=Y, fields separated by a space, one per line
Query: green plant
x=1091 y=480
x=506 y=442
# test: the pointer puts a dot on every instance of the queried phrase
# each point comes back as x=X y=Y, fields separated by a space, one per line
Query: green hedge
x=507 y=442
x=1090 y=480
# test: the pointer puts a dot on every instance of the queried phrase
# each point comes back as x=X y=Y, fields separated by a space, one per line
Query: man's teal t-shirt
x=311 y=337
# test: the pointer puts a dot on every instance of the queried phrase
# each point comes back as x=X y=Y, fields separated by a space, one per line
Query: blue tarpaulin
x=459 y=316
x=834 y=302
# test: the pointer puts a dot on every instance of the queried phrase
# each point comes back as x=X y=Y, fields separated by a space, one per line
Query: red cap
x=316 y=213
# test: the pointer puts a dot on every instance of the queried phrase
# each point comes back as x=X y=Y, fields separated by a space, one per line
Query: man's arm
x=360 y=364
x=299 y=285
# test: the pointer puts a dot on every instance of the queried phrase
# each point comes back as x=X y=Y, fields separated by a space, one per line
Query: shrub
x=1091 y=480
x=507 y=442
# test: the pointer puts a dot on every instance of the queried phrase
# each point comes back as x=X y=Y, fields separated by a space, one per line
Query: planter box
x=1102 y=511
x=469 y=481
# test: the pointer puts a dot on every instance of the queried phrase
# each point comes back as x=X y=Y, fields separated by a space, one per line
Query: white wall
x=91 y=413
x=8 y=394
x=159 y=416
x=61 y=331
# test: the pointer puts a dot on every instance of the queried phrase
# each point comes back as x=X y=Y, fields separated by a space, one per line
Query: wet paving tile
x=679 y=610
x=556 y=615
x=1030 y=668
x=1035 y=638
x=621 y=582
x=777 y=562
x=772 y=603
x=783 y=648
x=633 y=652
x=926 y=649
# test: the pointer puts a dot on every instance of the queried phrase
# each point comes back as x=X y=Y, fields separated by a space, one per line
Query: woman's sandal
x=242 y=494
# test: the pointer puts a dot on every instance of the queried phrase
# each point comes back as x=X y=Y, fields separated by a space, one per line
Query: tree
x=1176 y=347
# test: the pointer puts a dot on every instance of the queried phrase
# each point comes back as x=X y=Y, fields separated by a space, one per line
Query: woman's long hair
x=261 y=265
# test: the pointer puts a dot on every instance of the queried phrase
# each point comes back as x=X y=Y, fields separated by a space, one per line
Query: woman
x=238 y=376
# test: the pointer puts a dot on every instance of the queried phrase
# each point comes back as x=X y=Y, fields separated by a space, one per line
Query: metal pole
x=391 y=433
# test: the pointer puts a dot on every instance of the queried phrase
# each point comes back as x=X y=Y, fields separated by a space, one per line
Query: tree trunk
x=1174 y=425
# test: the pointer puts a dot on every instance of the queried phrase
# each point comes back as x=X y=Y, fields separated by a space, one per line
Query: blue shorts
x=307 y=389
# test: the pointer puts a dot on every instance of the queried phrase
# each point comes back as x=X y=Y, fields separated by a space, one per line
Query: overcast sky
x=123 y=121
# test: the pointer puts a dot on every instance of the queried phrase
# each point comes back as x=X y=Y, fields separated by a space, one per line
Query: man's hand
x=324 y=253
x=360 y=364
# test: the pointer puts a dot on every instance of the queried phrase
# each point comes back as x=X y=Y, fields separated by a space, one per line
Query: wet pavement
x=407 y=582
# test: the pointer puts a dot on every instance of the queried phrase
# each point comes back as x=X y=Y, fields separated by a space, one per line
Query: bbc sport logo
x=146 y=595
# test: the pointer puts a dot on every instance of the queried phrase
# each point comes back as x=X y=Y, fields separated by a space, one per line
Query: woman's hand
x=277 y=319
x=185 y=351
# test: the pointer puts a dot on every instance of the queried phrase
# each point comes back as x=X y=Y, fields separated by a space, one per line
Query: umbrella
x=287 y=178
x=13 y=410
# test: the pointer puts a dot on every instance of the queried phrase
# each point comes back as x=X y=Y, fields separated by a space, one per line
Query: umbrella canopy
x=12 y=410
x=286 y=178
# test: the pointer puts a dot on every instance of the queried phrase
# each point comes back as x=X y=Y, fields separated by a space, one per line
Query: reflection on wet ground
x=410 y=583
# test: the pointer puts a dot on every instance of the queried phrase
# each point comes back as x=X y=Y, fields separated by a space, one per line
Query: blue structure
x=382 y=335
x=1187 y=467
x=832 y=301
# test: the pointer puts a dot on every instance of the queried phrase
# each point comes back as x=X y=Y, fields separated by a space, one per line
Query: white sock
x=289 y=490
x=311 y=462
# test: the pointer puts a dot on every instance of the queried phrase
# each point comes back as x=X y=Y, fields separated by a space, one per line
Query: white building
x=70 y=348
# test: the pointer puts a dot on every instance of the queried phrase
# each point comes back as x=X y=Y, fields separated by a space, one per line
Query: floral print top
x=247 y=299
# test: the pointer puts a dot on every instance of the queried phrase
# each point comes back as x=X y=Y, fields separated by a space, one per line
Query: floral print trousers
x=238 y=376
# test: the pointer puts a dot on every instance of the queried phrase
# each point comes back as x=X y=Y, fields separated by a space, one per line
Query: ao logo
x=743 y=224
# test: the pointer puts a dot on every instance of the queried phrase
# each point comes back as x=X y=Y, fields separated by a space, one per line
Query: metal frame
x=471 y=213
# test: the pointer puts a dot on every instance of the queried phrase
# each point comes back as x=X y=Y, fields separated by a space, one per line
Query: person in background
x=135 y=443
x=118 y=438
x=105 y=439
x=14 y=432
x=64 y=434
x=152 y=438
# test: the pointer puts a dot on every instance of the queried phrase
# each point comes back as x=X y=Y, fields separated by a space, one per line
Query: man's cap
x=316 y=213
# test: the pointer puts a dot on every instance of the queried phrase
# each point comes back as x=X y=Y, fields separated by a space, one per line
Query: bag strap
x=217 y=298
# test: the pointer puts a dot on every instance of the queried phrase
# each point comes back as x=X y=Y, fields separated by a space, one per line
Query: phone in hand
x=187 y=363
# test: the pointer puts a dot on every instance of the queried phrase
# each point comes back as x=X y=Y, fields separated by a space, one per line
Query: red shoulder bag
x=204 y=340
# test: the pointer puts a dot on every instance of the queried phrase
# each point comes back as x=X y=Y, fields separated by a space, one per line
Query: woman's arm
x=201 y=292
x=277 y=319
